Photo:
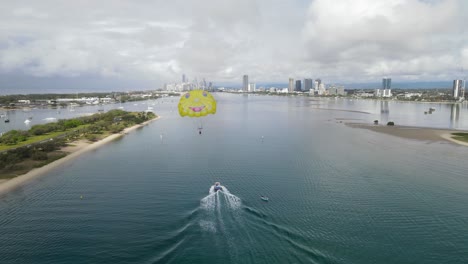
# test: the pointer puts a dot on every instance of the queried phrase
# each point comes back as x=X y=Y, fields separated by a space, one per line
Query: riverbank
x=418 y=133
x=74 y=150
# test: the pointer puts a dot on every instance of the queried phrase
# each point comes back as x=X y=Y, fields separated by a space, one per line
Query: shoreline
x=415 y=133
x=80 y=148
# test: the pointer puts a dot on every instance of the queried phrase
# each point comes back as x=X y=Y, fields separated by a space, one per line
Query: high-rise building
x=291 y=85
x=387 y=87
x=321 y=89
x=183 y=78
x=245 y=83
x=458 y=91
x=307 y=84
x=317 y=84
x=298 y=86
x=386 y=83
x=252 y=87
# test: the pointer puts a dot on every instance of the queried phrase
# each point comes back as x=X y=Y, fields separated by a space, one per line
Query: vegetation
x=460 y=136
x=391 y=123
x=20 y=151
x=11 y=101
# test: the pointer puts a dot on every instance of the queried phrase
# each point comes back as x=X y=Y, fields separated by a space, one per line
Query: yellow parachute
x=197 y=103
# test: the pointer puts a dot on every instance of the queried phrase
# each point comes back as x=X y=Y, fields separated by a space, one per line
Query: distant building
x=387 y=93
x=378 y=93
x=458 y=89
x=321 y=89
x=336 y=90
x=245 y=84
x=387 y=87
x=24 y=101
x=252 y=87
x=291 y=85
x=183 y=78
x=307 y=84
x=386 y=83
x=298 y=86
x=317 y=84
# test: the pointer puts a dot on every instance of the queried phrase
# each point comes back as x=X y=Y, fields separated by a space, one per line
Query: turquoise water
x=337 y=194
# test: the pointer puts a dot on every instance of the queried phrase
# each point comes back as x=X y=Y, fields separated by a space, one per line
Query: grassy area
x=21 y=151
x=35 y=139
x=460 y=136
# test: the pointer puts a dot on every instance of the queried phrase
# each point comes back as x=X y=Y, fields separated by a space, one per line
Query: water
x=337 y=194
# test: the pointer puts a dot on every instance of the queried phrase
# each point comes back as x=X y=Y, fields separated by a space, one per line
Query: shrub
x=390 y=123
x=91 y=137
x=39 y=155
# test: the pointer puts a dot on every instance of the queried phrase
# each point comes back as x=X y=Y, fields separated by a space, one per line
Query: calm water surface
x=337 y=194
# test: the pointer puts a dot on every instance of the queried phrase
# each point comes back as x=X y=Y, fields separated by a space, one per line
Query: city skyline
x=43 y=44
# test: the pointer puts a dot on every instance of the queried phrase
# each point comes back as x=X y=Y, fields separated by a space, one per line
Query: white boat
x=27 y=121
x=217 y=187
x=264 y=198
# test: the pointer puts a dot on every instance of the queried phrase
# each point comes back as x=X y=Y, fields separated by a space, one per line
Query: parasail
x=197 y=103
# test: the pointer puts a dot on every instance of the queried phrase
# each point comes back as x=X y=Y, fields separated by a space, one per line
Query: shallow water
x=337 y=194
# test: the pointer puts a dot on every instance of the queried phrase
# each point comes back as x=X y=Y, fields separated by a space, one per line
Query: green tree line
x=89 y=127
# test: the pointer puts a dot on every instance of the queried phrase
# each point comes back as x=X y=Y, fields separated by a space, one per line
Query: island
x=27 y=154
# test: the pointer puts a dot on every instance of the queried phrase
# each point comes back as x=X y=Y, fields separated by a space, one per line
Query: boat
x=431 y=109
x=7 y=120
x=27 y=121
x=217 y=187
x=264 y=198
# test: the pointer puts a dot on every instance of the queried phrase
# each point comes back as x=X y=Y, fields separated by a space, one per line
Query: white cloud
x=342 y=40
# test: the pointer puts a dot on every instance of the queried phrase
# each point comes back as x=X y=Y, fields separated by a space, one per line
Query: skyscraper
x=291 y=85
x=386 y=83
x=307 y=84
x=245 y=83
x=298 y=86
x=252 y=87
x=183 y=77
x=387 y=87
x=317 y=84
x=458 y=91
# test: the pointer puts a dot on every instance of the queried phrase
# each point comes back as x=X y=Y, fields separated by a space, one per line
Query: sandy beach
x=417 y=133
x=75 y=149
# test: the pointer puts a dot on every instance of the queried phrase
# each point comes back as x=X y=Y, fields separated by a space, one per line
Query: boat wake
x=216 y=200
x=221 y=220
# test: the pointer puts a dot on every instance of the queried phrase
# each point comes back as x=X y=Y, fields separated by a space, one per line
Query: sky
x=144 y=44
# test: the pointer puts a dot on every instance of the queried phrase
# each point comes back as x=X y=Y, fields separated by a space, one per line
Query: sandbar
x=418 y=133
x=75 y=149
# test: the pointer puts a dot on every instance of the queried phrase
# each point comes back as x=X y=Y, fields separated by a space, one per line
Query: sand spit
x=76 y=149
x=418 y=133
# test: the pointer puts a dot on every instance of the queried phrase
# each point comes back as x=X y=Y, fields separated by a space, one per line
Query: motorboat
x=264 y=198
x=217 y=187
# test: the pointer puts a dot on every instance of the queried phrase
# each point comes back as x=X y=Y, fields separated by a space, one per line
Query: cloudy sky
x=148 y=43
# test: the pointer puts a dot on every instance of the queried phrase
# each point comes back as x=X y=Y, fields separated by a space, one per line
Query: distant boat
x=50 y=119
x=7 y=120
x=27 y=121
x=264 y=198
x=431 y=109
